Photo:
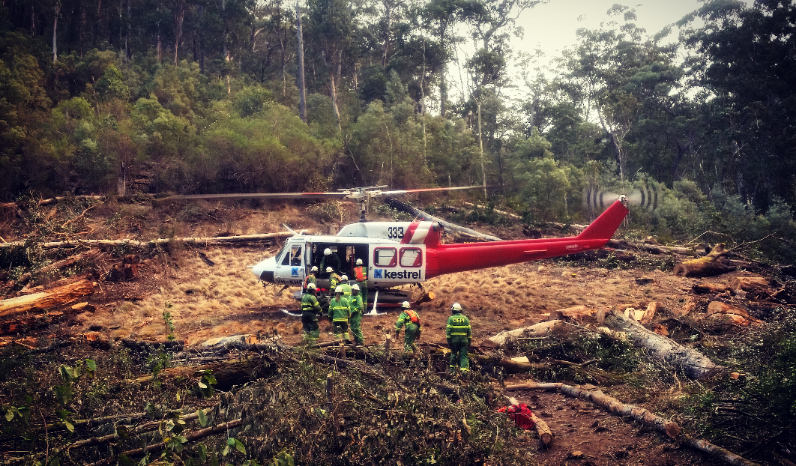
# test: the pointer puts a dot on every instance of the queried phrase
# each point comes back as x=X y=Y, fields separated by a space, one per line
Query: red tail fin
x=606 y=224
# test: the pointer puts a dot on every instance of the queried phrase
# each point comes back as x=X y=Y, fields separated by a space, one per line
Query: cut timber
x=579 y=313
x=715 y=263
x=541 y=329
x=404 y=207
x=717 y=307
x=106 y=243
x=711 y=288
x=650 y=313
x=758 y=285
x=46 y=299
x=694 y=364
x=505 y=214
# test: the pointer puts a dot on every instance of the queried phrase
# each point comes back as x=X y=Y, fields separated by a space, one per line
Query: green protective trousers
x=411 y=334
x=341 y=330
x=356 y=328
x=363 y=291
x=311 y=329
x=458 y=358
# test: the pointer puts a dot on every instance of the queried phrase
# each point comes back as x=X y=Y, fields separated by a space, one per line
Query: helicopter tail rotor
x=597 y=200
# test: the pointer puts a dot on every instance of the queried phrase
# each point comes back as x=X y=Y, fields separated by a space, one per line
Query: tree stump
x=715 y=263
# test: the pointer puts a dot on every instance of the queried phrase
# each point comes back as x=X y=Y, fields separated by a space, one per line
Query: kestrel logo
x=294 y=272
x=377 y=273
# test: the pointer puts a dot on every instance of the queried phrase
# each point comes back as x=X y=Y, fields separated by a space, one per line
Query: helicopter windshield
x=278 y=255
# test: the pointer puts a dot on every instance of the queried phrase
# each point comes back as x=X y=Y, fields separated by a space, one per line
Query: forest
x=117 y=97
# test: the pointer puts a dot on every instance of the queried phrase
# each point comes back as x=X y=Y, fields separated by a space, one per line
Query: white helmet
x=314 y=268
x=339 y=289
x=355 y=288
x=405 y=305
x=327 y=252
x=329 y=270
x=344 y=278
x=311 y=286
x=456 y=307
x=359 y=261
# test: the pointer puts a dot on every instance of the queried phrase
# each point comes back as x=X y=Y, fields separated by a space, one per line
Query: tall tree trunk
x=300 y=59
x=32 y=19
x=159 y=39
x=226 y=48
x=179 y=15
x=82 y=28
x=201 y=58
x=127 y=52
x=55 y=30
x=334 y=99
x=481 y=146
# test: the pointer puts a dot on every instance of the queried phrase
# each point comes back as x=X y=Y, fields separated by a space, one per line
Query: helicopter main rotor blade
x=185 y=197
x=425 y=190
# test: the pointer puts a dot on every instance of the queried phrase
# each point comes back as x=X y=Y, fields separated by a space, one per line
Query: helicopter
x=406 y=253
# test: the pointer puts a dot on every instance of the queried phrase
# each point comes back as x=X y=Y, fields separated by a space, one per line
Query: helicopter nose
x=264 y=270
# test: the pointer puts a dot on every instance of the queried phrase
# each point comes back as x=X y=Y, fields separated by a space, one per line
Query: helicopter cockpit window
x=293 y=257
x=411 y=257
x=385 y=257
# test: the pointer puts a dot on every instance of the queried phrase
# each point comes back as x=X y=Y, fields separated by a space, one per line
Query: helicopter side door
x=290 y=270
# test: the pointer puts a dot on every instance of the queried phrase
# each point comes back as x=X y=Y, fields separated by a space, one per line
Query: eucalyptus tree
x=623 y=77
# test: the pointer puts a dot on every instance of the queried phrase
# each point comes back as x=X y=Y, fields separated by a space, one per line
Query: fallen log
x=717 y=307
x=693 y=363
x=106 y=243
x=649 y=314
x=755 y=285
x=554 y=327
x=711 y=288
x=404 y=207
x=611 y=404
x=500 y=212
x=715 y=263
x=578 y=313
x=227 y=372
x=53 y=297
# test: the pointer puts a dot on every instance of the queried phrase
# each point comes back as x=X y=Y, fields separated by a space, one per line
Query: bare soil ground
x=226 y=299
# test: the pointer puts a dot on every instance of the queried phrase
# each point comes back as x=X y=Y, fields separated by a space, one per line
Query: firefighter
x=334 y=279
x=356 y=307
x=361 y=274
x=339 y=313
x=311 y=278
x=330 y=260
x=412 y=321
x=459 y=336
x=346 y=287
x=310 y=310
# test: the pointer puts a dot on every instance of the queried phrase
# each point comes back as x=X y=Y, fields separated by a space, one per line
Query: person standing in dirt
x=459 y=335
x=330 y=260
x=361 y=275
x=346 y=287
x=310 y=310
x=411 y=320
x=356 y=306
x=339 y=313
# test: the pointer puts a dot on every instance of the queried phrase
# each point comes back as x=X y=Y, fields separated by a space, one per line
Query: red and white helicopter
x=403 y=253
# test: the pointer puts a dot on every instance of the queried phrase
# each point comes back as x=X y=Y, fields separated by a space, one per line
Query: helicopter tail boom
x=452 y=258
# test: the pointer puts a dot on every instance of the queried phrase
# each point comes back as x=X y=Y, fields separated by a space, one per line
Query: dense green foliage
x=199 y=97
